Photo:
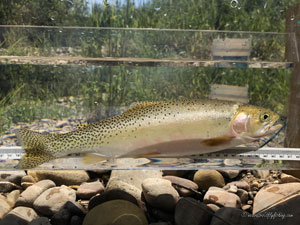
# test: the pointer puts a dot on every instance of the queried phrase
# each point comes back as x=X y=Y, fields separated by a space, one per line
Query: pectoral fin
x=217 y=141
x=92 y=158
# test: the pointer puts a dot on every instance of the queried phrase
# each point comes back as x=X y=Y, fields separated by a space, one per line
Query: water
x=76 y=75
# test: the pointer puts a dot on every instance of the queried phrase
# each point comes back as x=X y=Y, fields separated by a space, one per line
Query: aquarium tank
x=170 y=94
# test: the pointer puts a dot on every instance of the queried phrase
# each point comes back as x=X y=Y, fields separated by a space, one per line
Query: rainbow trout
x=154 y=129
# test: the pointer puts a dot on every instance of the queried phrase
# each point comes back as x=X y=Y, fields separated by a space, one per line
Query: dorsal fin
x=140 y=105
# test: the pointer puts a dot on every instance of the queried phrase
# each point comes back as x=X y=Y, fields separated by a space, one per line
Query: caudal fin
x=34 y=144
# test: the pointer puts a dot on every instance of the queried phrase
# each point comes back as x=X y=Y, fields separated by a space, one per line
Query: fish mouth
x=271 y=128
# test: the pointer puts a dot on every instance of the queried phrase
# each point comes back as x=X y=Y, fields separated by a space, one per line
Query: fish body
x=155 y=129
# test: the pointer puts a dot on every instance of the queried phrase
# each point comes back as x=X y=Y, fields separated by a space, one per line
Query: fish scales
x=149 y=129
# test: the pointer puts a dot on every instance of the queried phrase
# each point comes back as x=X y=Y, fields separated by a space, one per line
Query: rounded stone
x=221 y=197
x=12 y=176
x=28 y=196
x=189 y=211
x=241 y=184
x=231 y=216
x=25 y=213
x=12 y=197
x=61 y=177
x=160 y=193
x=272 y=194
x=111 y=195
x=116 y=212
x=88 y=190
x=4 y=208
x=53 y=200
x=208 y=178
x=230 y=173
x=182 y=182
x=6 y=186
x=40 y=221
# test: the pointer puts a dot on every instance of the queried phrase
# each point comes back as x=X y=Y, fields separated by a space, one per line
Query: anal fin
x=217 y=141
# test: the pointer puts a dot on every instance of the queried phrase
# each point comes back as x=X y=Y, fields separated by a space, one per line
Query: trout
x=154 y=129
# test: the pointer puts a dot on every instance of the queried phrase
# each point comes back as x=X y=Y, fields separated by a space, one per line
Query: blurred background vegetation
x=30 y=92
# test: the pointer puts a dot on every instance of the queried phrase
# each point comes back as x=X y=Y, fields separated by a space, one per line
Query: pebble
x=24 y=213
x=263 y=174
x=240 y=184
x=6 y=186
x=62 y=216
x=40 y=221
x=27 y=181
x=232 y=189
x=232 y=216
x=221 y=197
x=207 y=178
x=294 y=173
x=213 y=207
x=4 y=207
x=28 y=196
x=76 y=220
x=230 y=173
x=54 y=199
x=130 y=181
x=160 y=193
x=271 y=194
x=12 y=197
x=111 y=195
x=118 y=212
x=12 y=176
x=61 y=177
x=246 y=207
x=183 y=182
x=88 y=190
x=75 y=208
x=285 y=178
x=243 y=195
x=189 y=211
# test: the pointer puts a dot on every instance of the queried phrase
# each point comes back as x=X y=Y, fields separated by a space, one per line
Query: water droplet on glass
x=281 y=10
x=52 y=19
x=157 y=9
x=60 y=31
x=234 y=3
x=265 y=5
x=165 y=14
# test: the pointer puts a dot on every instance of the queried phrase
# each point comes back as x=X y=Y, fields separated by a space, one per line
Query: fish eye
x=264 y=116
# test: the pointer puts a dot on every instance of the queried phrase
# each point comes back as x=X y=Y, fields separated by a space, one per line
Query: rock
x=232 y=189
x=284 y=212
x=183 y=182
x=188 y=211
x=285 y=178
x=160 y=193
x=88 y=190
x=161 y=215
x=273 y=193
x=263 y=174
x=4 y=208
x=76 y=220
x=6 y=186
x=61 y=217
x=111 y=195
x=53 y=200
x=243 y=195
x=246 y=207
x=12 y=176
x=231 y=216
x=230 y=173
x=208 y=178
x=28 y=196
x=294 y=173
x=61 y=177
x=25 y=213
x=27 y=181
x=118 y=212
x=40 y=221
x=213 y=207
x=75 y=208
x=241 y=184
x=12 y=197
x=221 y=197
x=131 y=180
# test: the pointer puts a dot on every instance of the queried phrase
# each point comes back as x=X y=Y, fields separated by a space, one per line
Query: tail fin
x=34 y=144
